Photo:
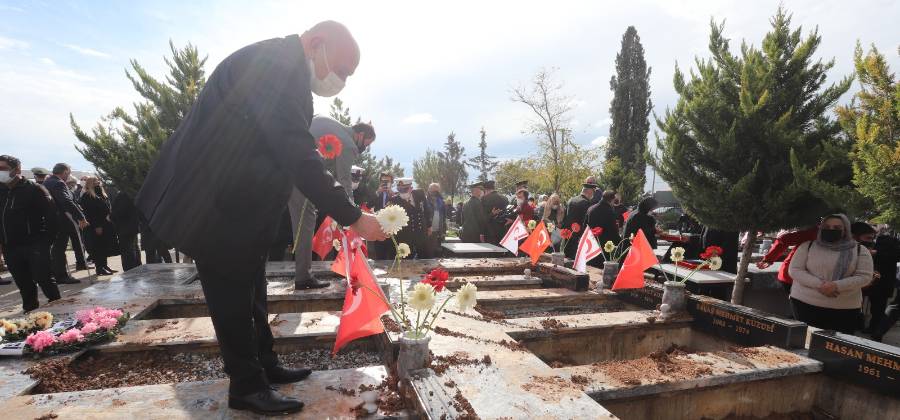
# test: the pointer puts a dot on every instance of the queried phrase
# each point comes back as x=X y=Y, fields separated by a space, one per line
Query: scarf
x=845 y=246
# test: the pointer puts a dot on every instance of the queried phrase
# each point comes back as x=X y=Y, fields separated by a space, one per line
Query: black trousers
x=890 y=318
x=131 y=255
x=841 y=320
x=157 y=254
x=236 y=296
x=30 y=268
x=67 y=230
x=878 y=300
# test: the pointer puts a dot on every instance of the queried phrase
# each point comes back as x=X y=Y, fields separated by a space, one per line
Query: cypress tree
x=483 y=162
x=749 y=130
x=629 y=110
x=454 y=167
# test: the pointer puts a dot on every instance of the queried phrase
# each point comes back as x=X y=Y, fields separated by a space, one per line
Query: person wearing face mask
x=417 y=207
x=103 y=241
x=577 y=211
x=250 y=126
x=353 y=141
x=829 y=274
x=383 y=250
x=362 y=195
x=436 y=222
x=474 y=220
x=551 y=212
x=71 y=223
x=523 y=207
x=27 y=224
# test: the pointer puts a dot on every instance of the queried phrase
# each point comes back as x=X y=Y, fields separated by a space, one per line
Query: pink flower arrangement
x=40 y=340
x=71 y=336
x=99 y=316
x=89 y=328
x=107 y=323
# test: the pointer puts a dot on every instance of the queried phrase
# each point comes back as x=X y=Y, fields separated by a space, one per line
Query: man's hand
x=98 y=230
x=495 y=211
x=429 y=232
x=368 y=227
x=83 y=224
x=829 y=288
x=762 y=265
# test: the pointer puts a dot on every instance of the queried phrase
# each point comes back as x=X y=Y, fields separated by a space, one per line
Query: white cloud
x=86 y=51
x=48 y=61
x=9 y=43
x=419 y=118
x=599 y=141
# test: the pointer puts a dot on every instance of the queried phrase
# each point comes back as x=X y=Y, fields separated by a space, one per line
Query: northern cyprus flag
x=588 y=249
x=516 y=233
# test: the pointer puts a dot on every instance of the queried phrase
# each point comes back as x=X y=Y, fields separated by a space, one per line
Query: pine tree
x=873 y=121
x=123 y=147
x=428 y=169
x=747 y=129
x=625 y=168
x=454 y=171
x=483 y=162
x=340 y=113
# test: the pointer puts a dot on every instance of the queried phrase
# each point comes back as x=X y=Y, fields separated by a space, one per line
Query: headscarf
x=845 y=246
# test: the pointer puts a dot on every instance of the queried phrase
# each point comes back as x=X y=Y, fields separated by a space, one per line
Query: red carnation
x=576 y=227
x=437 y=279
x=597 y=231
x=330 y=146
x=711 y=251
x=565 y=234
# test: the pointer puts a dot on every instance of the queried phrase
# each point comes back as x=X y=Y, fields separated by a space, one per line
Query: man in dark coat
x=576 y=213
x=383 y=250
x=416 y=205
x=127 y=220
x=249 y=128
x=603 y=215
x=494 y=204
x=71 y=222
x=474 y=221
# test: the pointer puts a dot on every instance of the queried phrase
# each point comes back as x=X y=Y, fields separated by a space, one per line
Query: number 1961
x=869 y=371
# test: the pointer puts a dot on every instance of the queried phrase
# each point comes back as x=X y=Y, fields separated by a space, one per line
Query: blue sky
x=427 y=68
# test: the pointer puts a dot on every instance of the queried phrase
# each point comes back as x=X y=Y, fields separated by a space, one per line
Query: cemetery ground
x=544 y=345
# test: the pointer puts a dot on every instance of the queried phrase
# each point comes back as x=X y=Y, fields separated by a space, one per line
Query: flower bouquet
x=393 y=219
x=18 y=329
x=673 y=300
x=90 y=327
x=565 y=235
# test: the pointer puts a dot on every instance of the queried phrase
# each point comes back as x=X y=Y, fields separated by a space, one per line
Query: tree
x=483 y=162
x=551 y=108
x=340 y=113
x=625 y=168
x=428 y=169
x=872 y=120
x=748 y=130
x=123 y=147
x=453 y=167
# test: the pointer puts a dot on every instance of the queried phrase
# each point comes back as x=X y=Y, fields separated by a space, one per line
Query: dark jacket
x=474 y=221
x=125 y=216
x=27 y=214
x=414 y=232
x=885 y=263
x=64 y=199
x=604 y=216
x=729 y=242
x=363 y=197
x=495 y=225
x=641 y=221
x=248 y=129
x=577 y=212
x=97 y=211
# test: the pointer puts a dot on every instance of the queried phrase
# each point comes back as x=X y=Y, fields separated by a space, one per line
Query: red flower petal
x=330 y=146
x=576 y=227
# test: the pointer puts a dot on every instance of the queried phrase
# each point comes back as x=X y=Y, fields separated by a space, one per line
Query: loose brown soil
x=463 y=407
x=766 y=355
x=512 y=345
x=389 y=400
x=115 y=370
x=489 y=314
x=551 y=388
x=553 y=324
x=390 y=325
x=440 y=364
x=342 y=390
x=580 y=380
x=660 y=366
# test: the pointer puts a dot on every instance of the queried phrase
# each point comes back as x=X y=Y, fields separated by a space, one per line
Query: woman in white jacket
x=829 y=274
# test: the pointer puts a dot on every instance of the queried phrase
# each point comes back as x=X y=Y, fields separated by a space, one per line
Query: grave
x=541 y=344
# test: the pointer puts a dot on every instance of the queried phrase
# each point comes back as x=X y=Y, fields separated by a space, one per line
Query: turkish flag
x=322 y=241
x=640 y=258
x=588 y=249
x=364 y=303
x=516 y=233
x=536 y=243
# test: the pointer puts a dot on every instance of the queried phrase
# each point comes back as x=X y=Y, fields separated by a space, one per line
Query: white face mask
x=5 y=177
x=555 y=207
x=331 y=85
x=355 y=185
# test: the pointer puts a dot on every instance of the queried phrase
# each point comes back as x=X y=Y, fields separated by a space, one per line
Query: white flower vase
x=673 y=299
x=610 y=272
x=413 y=355
x=558 y=258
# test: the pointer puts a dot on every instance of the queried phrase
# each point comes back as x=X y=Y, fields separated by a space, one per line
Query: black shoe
x=110 y=270
x=103 y=272
x=283 y=375
x=311 y=283
x=267 y=402
x=68 y=280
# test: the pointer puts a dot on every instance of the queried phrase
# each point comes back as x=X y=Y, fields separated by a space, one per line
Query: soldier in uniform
x=494 y=205
x=577 y=211
x=362 y=195
x=383 y=250
x=416 y=205
x=475 y=223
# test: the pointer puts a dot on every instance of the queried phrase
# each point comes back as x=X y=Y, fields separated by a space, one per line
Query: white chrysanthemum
x=25 y=324
x=677 y=254
x=403 y=250
x=2 y=332
x=532 y=224
x=551 y=227
x=422 y=297
x=715 y=263
x=392 y=219
x=609 y=246
x=42 y=320
x=336 y=244
x=465 y=297
x=9 y=327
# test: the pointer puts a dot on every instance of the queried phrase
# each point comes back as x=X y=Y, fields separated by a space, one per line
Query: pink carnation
x=71 y=336
x=40 y=340
x=108 y=323
x=113 y=313
x=89 y=327
x=83 y=316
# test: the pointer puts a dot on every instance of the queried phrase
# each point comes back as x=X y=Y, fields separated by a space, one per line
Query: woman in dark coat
x=603 y=215
x=642 y=220
x=95 y=204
